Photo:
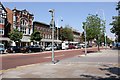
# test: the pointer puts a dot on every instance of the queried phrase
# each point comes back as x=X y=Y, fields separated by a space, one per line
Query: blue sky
x=72 y=13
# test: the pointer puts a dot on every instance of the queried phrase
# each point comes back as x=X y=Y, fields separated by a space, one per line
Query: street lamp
x=104 y=28
x=58 y=26
x=85 y=40
x=52 y=24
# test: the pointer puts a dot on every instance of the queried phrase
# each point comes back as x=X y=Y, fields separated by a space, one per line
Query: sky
x=72 y=13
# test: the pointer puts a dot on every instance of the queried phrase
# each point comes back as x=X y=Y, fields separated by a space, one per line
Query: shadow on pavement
x=90 y=51
x=90 y=77
x=112 y=70
x=116 y=48
x=114 y=74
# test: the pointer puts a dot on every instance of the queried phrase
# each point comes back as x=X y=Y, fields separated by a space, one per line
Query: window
x=23 y=26
x=0 y=10
x=23 y=30
x=29 y=30
x=50 y=36
x=1 y=31
x=1 y=21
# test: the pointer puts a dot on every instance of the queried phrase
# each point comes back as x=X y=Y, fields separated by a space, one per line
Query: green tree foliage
x=118 y=6
x=66 y=33
x=94 y=28
x=15 y=35
x=116 y=23
x=116 y=26
x=35 y=36
x=109 y=41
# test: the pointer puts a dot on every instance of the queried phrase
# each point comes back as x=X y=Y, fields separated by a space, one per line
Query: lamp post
x=58 y=26
x=104 y=28
x=85 y=40
x=52 y=24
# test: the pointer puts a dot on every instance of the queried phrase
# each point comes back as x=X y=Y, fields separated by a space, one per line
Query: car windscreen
x=1 y=46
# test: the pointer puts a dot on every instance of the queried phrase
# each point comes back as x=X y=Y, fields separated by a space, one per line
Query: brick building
x=23 y=21
x=77 y=36
x=46 y=33
x=4 y=26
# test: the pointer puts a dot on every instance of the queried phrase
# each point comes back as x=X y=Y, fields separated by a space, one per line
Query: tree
x=93 y=28
x=15 y=35
x=118 y=6
x=35 y=36
x=109 y=41
x=116 y=23
x=66 y=33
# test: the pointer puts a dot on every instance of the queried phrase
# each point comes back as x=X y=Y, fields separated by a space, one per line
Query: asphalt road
x=15 y=60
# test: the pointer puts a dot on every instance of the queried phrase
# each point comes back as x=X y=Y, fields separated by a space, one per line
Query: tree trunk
x=98 y=47
x=118 y=38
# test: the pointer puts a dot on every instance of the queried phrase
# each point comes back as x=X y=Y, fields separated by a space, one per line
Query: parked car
x=110 y=45
x=2 y=49
x=82 y=45
x=71 y=47
x=32 y=48
x=13 y=49
x=50 y=48
x=78 y=46
x=59 y=47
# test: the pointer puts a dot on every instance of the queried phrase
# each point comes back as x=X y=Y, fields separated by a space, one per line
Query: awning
x=50 y=40
x=4 y=39
x=25 y=39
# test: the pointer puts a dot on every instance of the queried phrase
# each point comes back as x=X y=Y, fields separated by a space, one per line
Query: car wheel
x=29 y=51
x=1 y=52
x=13 y=51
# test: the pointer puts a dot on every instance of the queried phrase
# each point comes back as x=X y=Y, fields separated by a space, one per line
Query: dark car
x=71 y=47
x=13 y=49
x=33 y=48
x=59 y=47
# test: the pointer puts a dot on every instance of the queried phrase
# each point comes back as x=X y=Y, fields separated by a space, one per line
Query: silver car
x=50 y=48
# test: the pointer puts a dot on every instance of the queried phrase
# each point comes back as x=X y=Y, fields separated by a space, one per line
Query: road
x=13 y=61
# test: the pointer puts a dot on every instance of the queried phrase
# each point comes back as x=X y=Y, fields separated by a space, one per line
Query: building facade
x=4 y=26
x=23 y=21
x=46 y=33
x=77 y=36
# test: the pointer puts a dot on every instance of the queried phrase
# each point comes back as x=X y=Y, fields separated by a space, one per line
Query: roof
x=24 y=10
x=3 y=7
x=40 y=23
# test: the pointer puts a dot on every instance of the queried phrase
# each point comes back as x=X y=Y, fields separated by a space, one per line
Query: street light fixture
x=52 y=24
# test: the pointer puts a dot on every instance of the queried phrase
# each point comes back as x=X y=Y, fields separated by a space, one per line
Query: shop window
x=1 y=31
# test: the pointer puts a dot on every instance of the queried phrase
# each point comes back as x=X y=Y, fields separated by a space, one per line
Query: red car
x=71 y=47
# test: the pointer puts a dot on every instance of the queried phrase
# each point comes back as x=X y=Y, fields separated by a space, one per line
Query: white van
x=65 y=45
